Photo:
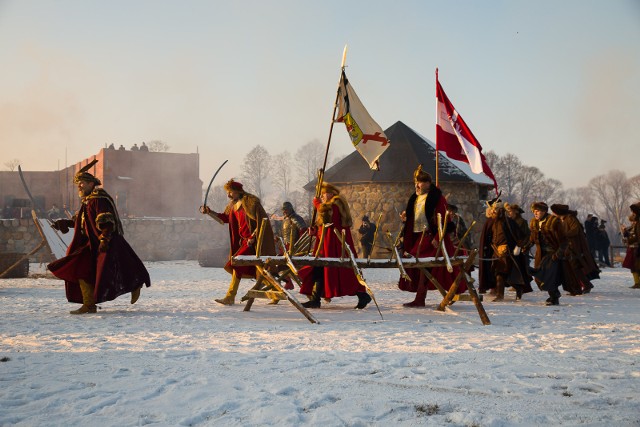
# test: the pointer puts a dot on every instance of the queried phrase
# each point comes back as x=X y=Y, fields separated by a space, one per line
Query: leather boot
x=518 y=289
x=316 y=295
x=88 y=302
x=363 y=299
x=499 y=289
x=554 y=298
x=230 y=298
x=135 y=294
x=421 y=296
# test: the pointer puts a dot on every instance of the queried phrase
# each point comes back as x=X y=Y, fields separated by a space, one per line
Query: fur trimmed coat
x=116 y=271
x=338 y=281
x=434 y=204
x=245 y=218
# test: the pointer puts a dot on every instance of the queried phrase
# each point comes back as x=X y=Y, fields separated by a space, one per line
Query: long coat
x=434 y=204
x=547 y=271
x=577 y=253
x=338 y=281
x=632 y=259
x=245 y=219
x=112 y=273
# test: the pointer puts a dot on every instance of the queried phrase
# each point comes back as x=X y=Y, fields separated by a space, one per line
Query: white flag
x=366 y=135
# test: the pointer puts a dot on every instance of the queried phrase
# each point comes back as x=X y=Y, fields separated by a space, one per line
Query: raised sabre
x=206 y=195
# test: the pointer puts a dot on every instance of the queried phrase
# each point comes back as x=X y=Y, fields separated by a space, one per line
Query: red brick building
x=143 y=184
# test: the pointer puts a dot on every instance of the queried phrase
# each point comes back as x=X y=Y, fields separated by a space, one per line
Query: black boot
x=518 y=292
x=554 y=298
x=316 y=295
x=363 y=300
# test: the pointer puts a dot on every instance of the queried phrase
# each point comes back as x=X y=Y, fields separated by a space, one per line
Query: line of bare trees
x=607 y=196
x=279 y=177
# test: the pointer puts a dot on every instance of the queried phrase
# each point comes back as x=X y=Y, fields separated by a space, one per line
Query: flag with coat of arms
x=366 y=135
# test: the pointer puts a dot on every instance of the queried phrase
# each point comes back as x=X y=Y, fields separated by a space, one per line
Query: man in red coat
x=99 y=265
x=329 y=282
x=244 y=214
x=421 y=237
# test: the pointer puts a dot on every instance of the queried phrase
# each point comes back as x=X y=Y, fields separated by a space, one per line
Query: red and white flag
x=454 y=137
x=366 y=135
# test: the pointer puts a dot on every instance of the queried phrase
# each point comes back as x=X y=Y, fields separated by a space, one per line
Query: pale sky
x=557 y=83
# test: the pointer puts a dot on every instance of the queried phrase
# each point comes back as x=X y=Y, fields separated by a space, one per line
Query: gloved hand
x=62 y=225
x=205 y=210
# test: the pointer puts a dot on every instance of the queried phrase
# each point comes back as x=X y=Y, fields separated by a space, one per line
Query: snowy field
x=176 y=358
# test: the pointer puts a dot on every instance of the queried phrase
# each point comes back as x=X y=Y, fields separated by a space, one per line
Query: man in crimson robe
x=329 y=282
x=421 y=238
x=99 y=265
x=244 y=214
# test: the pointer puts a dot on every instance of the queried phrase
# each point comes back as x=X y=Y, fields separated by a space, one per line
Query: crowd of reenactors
x=100 y=265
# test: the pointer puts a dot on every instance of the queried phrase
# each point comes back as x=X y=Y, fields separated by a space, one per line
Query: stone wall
x=152 y=239
x=388 y=199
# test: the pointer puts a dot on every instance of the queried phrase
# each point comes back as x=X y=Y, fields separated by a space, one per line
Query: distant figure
x=111 y=147
x=121 y=148
x=603 y=244
x=591 y=230
x=367 y=232
x=54 y=213
x=144 y=147
x=135 y=147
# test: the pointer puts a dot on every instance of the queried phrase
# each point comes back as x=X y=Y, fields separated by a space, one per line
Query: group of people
x=562 y=256
x=100 y=265
x=134 y=147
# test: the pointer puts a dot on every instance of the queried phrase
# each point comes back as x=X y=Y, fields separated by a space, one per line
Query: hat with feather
x=83 y=175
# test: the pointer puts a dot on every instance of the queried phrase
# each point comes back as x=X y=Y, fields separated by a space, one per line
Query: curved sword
x=206 y=195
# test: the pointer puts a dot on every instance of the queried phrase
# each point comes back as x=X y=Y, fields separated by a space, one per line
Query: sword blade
x=206 y=195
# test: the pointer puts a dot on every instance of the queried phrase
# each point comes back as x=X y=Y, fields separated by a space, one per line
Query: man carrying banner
x=331 y=282
x=100 y=265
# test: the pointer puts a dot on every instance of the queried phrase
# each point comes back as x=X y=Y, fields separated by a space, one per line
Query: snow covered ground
x=176 y=358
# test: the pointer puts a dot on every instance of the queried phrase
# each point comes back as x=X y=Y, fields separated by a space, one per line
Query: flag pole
x=333 y=116
x=437 y=118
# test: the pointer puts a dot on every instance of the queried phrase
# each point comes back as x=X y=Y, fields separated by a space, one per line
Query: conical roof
x=407 y=150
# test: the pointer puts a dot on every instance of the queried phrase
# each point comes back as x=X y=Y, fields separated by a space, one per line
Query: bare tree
x=158 y=146
x=580 y=199
x=634 y=182
x=613 y=192
x=12 y=164
x=529 y=177
x=282 y=174
x=509 y=167
x=309 y=159
x=255 y=171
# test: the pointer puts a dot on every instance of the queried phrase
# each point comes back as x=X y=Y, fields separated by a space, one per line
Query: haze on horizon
x=555 y=83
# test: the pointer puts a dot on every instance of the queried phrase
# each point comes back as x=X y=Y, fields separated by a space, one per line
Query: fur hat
x=513 y=207
x=559 y=209
x=452 y=208
x=328 y=187
x=421 y=176
x=83 y=175
x=365 y=218
x=232 y=185
x=635 y=208
x=539 y=206
x=287 y=206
